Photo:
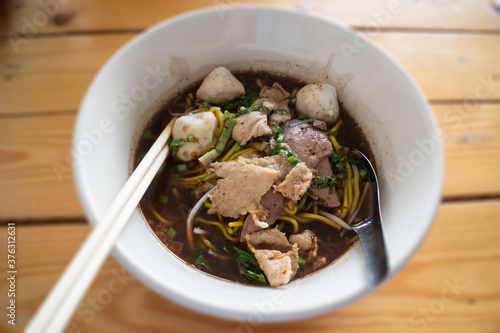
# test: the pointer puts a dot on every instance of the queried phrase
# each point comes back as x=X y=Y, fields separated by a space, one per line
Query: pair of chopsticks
x=58 y=307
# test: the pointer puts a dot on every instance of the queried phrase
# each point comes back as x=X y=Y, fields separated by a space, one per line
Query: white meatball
x=318 y=101
x=220 y=86
x=201 y=126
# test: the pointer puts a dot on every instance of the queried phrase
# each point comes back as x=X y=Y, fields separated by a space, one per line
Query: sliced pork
x=276 y=162
x=296 y=183
x=241 y=187
x=250 y=125
x=279 y=117
x=307 y=242
x=277 y=258
x=276 y=99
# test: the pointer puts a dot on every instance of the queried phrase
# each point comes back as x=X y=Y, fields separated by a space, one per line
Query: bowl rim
x=132 y=264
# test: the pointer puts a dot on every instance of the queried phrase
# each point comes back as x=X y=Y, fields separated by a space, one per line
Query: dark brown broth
x=331 y=244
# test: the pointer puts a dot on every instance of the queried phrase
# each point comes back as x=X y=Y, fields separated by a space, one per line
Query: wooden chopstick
x=59 y=305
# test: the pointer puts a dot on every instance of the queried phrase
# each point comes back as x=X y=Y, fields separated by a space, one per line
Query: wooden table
x=452 y=49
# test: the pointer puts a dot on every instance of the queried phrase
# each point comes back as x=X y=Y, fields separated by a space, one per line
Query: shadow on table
x=7 y=8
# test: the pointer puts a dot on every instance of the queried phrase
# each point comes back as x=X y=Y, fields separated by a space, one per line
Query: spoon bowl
x=370 y=230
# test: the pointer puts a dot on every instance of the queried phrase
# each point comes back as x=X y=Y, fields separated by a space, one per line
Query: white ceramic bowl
x=379 y=93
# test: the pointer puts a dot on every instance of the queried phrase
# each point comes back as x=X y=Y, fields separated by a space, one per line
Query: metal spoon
x=370 y=230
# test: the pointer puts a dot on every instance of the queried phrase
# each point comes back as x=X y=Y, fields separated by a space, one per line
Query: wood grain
x=448 y=66
x=53 y=73
x=37 y=182
x=36 y=176
x=457 y=252
x=450 y=47
x=85 y=16
x=471 y=139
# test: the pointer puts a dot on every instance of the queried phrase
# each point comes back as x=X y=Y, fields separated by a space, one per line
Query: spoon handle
x=372 y=240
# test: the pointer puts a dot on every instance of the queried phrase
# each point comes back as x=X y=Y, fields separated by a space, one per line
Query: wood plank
x=31 y=147
x=53 y=72
x=448 y=66
x=457 y=252
x=56 y=71
x=77 y=15
x=471 y=139
x=31 y=187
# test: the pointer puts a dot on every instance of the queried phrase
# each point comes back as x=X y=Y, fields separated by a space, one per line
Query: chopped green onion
x=263 y=146
x=171 y=233
x=190 y=138
x=210 y=156
x=244 y=101
x=293 y=100
x=163 y=199
x=294 y=160
x=338 y=164
x=206 y=105
x=197 y=186
x=176 y=143
x=292 y=156
x=362 y=173
x=350 y=158
x=259 y=107
x=301 y=116
x=308 y=121
x=148 y=134
x=279 y=140
x=181 y=167
x=201 y=261
x=301 y=261
x=326 y=181
x=175 y=179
